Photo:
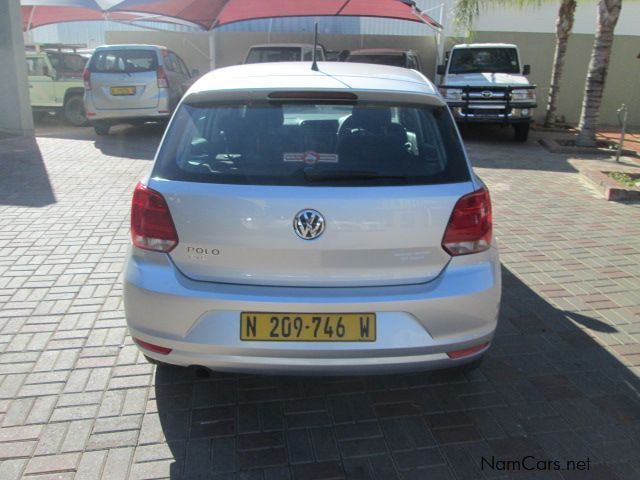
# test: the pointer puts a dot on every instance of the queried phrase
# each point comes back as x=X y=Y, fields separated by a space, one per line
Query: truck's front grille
x=489 y=112
x=486 y=95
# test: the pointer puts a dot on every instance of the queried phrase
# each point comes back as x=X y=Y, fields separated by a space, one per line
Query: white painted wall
x=543 y=19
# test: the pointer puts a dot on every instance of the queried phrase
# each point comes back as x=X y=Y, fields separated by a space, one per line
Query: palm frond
x=465 y=12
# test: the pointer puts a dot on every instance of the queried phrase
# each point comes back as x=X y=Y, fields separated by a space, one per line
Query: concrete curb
x=611 y=189
x=553 y=146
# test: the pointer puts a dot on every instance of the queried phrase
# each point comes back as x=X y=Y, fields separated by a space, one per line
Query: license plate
x=123 y=90
x=308 y=327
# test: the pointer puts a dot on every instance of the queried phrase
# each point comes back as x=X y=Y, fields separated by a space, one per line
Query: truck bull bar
x=488 y=95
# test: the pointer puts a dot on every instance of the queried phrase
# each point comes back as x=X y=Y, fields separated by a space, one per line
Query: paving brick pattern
x=77 y=400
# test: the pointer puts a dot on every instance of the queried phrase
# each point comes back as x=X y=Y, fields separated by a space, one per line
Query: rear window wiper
x=313 y=175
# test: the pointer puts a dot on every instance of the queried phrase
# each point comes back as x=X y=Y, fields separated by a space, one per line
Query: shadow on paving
x=505 y=153
x=546 y=389
x=137 y=142
x=23 y=176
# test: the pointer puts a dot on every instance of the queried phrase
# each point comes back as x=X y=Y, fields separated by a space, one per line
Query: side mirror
x=45 y=71
x=440 y=70
x=526 y=70
x=195 y=72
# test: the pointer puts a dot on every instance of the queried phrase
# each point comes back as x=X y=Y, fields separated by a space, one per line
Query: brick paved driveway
x=78 y=401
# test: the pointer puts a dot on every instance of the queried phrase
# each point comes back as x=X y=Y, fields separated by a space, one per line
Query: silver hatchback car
x=312 y=222
x=132 y=84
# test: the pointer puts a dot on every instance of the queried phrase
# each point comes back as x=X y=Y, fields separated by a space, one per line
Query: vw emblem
x=487 y=94
x=308 y=224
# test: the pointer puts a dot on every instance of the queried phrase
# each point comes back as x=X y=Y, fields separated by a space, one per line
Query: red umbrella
x=209 y=14
x=38 y=15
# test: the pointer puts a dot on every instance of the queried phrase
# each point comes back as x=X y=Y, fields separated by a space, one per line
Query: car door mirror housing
x=526 y=70
x=440 y=70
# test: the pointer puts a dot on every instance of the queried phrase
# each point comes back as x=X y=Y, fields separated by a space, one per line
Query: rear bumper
x=116 y=115
x=416 y=324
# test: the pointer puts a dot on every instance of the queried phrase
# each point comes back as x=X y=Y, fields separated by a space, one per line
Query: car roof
x=131 y=46
x=278 y=45
x=485 y=45
x=333 y=76
x=380 y=51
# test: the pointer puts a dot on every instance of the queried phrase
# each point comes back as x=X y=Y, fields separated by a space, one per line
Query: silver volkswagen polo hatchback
x=312 y=222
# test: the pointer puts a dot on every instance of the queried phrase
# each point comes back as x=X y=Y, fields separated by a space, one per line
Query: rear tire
x=521 y=132
x=101 y=129
x=38 y=115
x=155 y=362
x=74 y=111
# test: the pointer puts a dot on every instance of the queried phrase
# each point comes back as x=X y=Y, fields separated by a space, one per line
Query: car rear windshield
x=475 y=60
x=312 y=144
x=273 y=54
x=392 y=60
x=125 y=60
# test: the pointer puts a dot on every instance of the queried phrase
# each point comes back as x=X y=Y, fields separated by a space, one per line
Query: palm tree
x=466 y=11
x=564 y=25
x=608 y=13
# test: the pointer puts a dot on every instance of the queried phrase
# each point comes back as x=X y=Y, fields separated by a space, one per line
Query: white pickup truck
x=284 y=52
x=485 y=83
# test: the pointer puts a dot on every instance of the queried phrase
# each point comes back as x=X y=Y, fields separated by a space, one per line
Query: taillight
x=86 y=78
x=469 y=229
x=163 y=81
x=152 y=347
x=465 y=352
x=152 y=227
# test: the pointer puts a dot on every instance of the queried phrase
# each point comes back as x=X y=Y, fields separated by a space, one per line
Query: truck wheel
x=101 y=129
x=38 y=115
x=521 y=131
x=74 y=112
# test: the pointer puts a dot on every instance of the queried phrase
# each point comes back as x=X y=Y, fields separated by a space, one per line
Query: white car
x=132 y=84
x=283 y=52
x=312 y=222
x=386 y=56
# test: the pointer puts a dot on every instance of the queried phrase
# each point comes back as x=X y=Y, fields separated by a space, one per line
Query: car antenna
x=314 y=63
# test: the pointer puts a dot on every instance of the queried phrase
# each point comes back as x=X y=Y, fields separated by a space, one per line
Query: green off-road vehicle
x=55 y=82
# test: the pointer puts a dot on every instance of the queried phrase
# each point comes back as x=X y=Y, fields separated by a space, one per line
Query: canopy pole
x=30 y=21
x=437 y=29
x=420 y=14
x=212 y=50
x=439 y=42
